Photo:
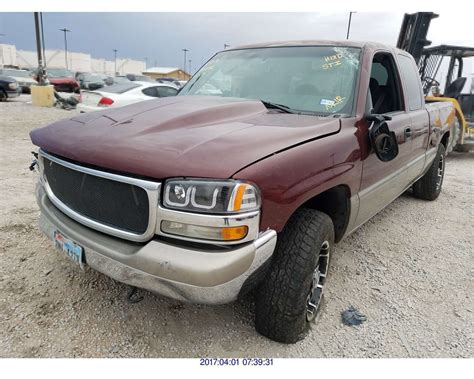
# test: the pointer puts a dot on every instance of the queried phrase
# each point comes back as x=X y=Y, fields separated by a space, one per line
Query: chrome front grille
x=114 y=204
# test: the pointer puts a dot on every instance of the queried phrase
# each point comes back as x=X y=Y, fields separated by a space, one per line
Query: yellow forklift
x=431 y=60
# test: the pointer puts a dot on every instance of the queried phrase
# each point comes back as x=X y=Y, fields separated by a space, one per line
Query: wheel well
x=336 y=204
x=444 y=139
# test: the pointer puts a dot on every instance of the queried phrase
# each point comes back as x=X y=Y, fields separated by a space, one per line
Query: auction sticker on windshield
x=72 y=249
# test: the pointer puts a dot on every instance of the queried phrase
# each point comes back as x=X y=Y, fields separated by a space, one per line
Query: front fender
x=290 y=178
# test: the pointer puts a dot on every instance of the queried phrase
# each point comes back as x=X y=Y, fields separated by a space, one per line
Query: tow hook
x=35 y=161
x=132 y=297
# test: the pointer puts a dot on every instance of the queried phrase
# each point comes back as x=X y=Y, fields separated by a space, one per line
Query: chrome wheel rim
x=313 y=301
x=439 y=178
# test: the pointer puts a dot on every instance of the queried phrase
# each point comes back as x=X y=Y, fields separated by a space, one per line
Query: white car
x=25 y=81
x=118 y=95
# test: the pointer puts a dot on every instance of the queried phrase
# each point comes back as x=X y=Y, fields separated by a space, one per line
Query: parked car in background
x=182 y=83
x=141 y=78
x=9 y=88
x=108 y=80
x=120 y=79
x=63 y=80
x=89 y=81
x=23 y=78
x=122 y=94
x=169 y=80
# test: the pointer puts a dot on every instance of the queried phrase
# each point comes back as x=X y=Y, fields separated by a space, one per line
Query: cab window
x=412 y=82
x=384 y=87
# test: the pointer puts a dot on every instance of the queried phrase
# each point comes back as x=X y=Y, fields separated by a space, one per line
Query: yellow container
x=42 y=96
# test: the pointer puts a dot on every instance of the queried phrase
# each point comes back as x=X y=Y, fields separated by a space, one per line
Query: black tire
x=428 y=187
x=3 y=95
x=282 y=299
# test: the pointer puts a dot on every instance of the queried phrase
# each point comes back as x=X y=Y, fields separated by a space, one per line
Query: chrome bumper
x=189 y=274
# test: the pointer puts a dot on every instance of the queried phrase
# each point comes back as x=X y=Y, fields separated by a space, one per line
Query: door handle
x=408 y=132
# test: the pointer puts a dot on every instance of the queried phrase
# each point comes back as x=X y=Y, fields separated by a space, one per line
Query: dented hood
x=197 y=136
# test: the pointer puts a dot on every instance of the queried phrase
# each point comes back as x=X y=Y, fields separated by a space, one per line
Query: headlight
x=12 y=85
x=210 y=196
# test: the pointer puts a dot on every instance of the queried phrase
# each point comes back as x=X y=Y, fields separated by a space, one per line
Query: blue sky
x=161 y=36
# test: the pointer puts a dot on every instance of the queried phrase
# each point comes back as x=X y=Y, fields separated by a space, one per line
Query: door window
x=384 y=85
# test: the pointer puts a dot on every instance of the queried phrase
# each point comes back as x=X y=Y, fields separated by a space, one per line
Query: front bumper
x=198 y=275
x=14 y=93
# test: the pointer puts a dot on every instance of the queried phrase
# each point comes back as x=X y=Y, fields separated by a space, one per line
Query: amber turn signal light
x=234 y=233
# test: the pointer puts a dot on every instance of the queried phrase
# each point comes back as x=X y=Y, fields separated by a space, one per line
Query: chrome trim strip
x=152 y=189
x=251 y=219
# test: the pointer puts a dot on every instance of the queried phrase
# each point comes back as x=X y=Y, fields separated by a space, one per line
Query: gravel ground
x=409 y=270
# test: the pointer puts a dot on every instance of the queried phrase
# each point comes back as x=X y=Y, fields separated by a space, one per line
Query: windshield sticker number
x=337 y=101
x=332 y=61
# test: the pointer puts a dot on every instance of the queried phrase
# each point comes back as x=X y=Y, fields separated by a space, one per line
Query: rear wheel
x=428 y=187
x=291 y=294
x=3 y=96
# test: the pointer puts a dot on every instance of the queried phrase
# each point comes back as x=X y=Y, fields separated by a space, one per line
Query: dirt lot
x=410 y=270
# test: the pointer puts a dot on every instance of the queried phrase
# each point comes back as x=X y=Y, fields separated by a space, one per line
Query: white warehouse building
x=10 y=56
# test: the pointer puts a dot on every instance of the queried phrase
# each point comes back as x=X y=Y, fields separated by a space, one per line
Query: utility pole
x=190 y=69
x=65 y=31
x=226 y=46
x=146 y=62
x=185 y=51
x=349 y=24
x=39 y=49
x=3 y=60
x=115 y=61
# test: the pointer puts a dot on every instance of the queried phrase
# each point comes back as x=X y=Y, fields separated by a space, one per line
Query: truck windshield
x=306 y=79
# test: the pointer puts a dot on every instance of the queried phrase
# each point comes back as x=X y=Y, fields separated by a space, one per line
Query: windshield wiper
x=281 y=107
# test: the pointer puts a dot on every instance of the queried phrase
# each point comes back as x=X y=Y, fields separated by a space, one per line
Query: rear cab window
x=411 y=79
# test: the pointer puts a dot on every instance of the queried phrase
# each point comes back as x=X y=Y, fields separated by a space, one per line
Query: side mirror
x=382 y=139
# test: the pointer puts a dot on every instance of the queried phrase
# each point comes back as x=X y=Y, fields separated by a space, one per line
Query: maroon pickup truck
x=268 y=156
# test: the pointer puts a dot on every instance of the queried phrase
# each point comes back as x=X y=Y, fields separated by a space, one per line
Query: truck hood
x=199 y=136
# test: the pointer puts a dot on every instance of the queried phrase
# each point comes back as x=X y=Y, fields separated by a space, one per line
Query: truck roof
x=342 y=43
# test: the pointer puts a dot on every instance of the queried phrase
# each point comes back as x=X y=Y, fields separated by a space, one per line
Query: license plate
x=72 y=249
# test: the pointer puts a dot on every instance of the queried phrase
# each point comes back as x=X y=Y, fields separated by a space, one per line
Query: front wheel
x=428 y=187
x=291 y=294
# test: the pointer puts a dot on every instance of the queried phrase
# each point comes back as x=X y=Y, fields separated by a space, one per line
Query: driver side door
x=382 y=182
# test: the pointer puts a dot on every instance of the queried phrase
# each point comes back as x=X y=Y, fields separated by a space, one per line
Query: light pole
x=3 y=62
x=146 y=62
x=115 y=61
x=226 y=46
x=65 y=31
x=185 y=51
x=349 y=24
x=190 y=70
x=41 y=73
